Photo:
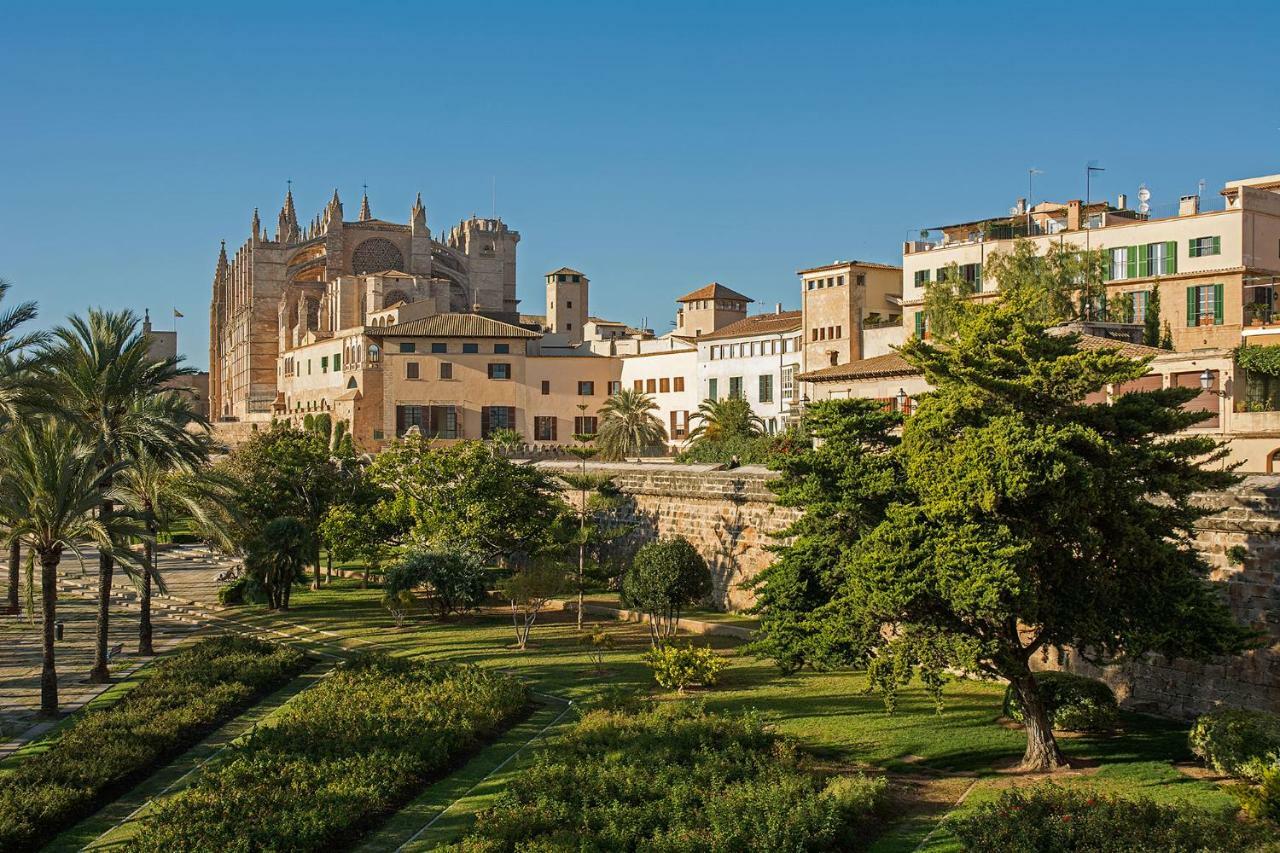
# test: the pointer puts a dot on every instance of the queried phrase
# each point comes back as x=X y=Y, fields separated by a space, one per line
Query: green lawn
x=932 y=758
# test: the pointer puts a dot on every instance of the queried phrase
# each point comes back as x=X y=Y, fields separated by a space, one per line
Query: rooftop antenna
x=1144 y=196
x=493 y=198
x=1031 y=173
x=1200 y=187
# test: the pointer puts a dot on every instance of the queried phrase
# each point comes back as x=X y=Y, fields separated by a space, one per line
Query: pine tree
x=1151 y=319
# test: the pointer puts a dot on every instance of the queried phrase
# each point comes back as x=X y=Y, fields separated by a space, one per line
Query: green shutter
x=1217 y=245
x=1144 y=260
x=1192 y=319
x=1132 y=262
x=977 y=278
x=920 y=325
x=1171 y=257
x=1191 y=248
x=712 y=389
x=1217 y=305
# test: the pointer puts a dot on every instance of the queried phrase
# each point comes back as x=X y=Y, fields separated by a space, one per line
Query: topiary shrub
x=664 y=577
x=1241 y=743
x=1074 y=703
x=1051 y=818
x=676 y=667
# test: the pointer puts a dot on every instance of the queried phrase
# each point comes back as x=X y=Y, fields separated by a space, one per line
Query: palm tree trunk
x=49 y=612
x=101 y=672
x=144 y=618
x=15 y=574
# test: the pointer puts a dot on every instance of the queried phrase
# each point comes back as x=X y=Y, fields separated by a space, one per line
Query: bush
x=675 y=778
x=456 y=578
x=676 y=667
x=355 y=747
x=103 y=753
x=1240 y=743
x=1074 y=703
x=664 y=577
x=1051 y=818
x=233 y=593
x=1263 y=802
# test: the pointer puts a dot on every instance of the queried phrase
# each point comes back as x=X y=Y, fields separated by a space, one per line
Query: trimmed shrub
x=1263 y=801
x=664 y=577
x=1074 y=703
x=105 y=752
x=233 y=593
x=456 y=579
x=1244 y=744
x=676 y=778
x=676 y=667
x=1050 y=818
x=339 y=758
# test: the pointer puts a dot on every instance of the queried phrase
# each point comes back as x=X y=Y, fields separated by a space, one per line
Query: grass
x=932 y=758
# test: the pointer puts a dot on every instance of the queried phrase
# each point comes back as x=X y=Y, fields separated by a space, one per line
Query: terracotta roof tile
x=451 y=326
x=714 y=290
x=889 y=364
x=761 y=324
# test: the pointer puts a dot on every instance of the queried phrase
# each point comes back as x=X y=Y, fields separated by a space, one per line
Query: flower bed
x=675 y=778
x=342 y=756
x=104 y=753
x=1048 y=817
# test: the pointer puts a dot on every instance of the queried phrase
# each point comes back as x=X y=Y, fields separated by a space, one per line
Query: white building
x=756 y=359
x=669 y=377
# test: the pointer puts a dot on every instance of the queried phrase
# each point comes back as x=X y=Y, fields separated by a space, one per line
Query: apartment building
x=1216 y=263
x=839 y=301
x=755 y=359
x=669 y=377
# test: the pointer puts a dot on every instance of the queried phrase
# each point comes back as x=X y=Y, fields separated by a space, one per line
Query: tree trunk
x=315 y=582
x=101 y=672
x=328 y=567
x=15 y=575
x=1042 y=747
x=144 y=618
x=582 y=560
x=49 y=612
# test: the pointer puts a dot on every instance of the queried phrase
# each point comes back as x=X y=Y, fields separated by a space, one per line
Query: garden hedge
x=1074 y=703
x=1051 y=818
x=340 y=757
x=1244 y=744
x=104 y=753
x=675 y=778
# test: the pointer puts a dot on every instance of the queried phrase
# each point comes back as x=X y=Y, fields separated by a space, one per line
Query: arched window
x=1273 y=461
x=351 y=383
x=375 y=353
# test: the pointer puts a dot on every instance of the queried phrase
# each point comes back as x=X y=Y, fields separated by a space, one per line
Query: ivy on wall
x=1264 y=360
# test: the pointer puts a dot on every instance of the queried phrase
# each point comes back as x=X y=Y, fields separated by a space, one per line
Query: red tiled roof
x=761 y=324
x=714 y=290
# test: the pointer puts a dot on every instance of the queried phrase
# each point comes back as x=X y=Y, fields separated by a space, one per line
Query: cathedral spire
x=418 y=217
x=365 y=215
x=222 y=260
x=287 y=225
x=257 y=223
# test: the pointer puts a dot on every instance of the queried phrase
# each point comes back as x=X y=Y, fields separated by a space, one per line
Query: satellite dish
x=1200 y=187
x=1013 y=211
x=1144 y=194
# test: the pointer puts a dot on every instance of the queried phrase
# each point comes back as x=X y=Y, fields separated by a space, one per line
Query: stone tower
x=567 y=303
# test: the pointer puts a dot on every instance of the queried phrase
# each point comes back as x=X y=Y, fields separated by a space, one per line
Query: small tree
x=529 y=590
x=665 y=576
x=1151 y=319
x=455 y=577
x=597 y=643
x=278 y=559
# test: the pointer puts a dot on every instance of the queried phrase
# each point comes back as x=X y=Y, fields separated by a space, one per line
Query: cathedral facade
x=308 y=283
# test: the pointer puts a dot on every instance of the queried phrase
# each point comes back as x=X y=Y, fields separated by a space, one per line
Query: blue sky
x=655 y=146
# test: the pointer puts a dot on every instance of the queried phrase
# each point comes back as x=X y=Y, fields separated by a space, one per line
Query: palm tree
x=17 y=383
x=160 y=495
x=278 y=559
x=721 y=419
x=54 y=483
x=98 y=368
x=628 y=425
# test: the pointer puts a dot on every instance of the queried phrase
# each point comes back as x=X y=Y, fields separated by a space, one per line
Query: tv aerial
x=1144 y=196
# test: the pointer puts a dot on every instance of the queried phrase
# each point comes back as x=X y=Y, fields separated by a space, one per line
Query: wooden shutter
x=1217 y=305
x=672 y=432
x=1193 y=318
x=1217 y=245
x=1131 y=262
x=1171 y=257
x=920 y=325
x=484 y=421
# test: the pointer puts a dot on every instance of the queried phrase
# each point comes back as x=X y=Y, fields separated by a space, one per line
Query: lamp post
x=1031 y=173
x=902 y=401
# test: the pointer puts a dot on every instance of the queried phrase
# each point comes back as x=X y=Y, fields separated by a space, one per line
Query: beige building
x=1216 y=265
x=709 y=309
x=567 y=296
x=839 y=300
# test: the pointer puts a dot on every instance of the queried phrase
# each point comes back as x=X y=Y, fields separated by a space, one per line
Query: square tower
x=709 y=309
x=567 y=303
x=836 y=302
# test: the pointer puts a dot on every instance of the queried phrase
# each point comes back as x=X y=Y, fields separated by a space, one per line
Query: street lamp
x=902 y=400
x=1206 y=383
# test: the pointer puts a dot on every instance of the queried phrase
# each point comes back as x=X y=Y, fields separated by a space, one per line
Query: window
x=494 y=418
x=615 y=386
x=664 y=385
x=439 y=347
x=921 y=278
x=544 y=428
x=442 y=422
x=812 y=284
x=471 y=348
x=766 y=388
x=585 y=425
x=815 y=334
x=972 y=274
x=411 y=370
x=650 y=386
x=678 y=383
x=586 y=389
x=861 y=279
x=576 y=279
x=560 y=278
x=324 y=364
x=546 y=387
x=1120 y=262
x=638 y=385
x=679 y=424
x=568 y=303
x=407 y=346
x=499 y=370
x=1203 y=301
x=501 y=349
x=789 y=382
x=568 y=327
x=839 y=331
x=409 y=416
x=1202 y=246
x=713 y=389
x=1141 y=298
x=921 y=326
x=1159 y=258
x=735 y=387
x=446 y=370
x=337 y=361
x=308 y=367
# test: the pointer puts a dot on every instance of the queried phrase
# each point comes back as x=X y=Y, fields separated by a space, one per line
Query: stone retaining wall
x=729 y=516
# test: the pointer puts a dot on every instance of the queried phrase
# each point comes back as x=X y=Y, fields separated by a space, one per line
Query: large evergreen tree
x=1028 y=518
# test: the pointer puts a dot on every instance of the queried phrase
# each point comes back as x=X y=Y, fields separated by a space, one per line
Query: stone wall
x=1246 y=517
x=727 y=515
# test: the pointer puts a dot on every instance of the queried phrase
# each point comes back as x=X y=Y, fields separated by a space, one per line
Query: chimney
x=1189 y=205
x=1022 y=207
x=1122 y=201
x=1073 y=214
x=777 y=308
